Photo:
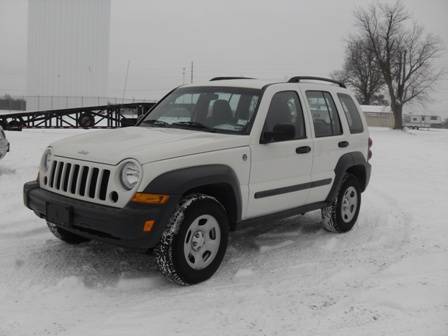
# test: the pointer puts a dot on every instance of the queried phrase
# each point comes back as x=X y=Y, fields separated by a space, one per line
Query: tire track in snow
x=350 y=283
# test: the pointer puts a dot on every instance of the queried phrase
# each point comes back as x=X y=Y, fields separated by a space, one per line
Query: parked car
x=206 y=158
x=4 y=144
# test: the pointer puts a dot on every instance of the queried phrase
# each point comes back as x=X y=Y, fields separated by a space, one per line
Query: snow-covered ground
x=389 y=276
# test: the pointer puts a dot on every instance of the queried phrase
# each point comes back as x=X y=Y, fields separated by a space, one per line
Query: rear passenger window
x=351 y=113
x=325 y=115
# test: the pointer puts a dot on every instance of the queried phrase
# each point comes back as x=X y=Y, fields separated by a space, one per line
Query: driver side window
x=285 y=109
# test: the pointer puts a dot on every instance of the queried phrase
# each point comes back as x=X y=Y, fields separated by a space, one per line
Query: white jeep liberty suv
x=203 y=159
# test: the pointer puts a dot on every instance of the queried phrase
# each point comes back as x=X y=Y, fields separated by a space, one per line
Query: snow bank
x=386 y=277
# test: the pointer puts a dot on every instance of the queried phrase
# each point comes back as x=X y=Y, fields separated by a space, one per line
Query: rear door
x=331 y=138
x=281 y=168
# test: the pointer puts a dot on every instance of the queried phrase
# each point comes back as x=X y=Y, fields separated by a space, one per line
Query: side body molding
x=179 y=181
x=347 y=162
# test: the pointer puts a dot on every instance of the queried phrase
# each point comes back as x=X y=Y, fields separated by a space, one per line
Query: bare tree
x=405 y=54
x=361 y=71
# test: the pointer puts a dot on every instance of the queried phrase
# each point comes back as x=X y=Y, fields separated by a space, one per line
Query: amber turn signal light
x=147 y=227
x=150 y=198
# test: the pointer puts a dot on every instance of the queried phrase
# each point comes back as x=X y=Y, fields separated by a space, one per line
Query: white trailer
x=415 y=121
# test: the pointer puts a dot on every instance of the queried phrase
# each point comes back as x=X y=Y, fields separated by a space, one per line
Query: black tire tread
x=164 y=251
x=330 y=219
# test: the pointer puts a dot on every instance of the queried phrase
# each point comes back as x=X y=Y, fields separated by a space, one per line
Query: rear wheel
x=194 y=243
x=343 y=212
x=66 y=236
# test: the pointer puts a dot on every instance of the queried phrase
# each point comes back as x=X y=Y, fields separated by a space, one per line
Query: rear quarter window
x=351 y=113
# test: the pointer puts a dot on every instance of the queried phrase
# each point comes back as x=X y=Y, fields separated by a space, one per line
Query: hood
x=145 y=144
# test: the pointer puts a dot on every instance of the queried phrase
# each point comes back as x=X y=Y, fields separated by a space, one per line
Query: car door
x=281 y=154
x=331 y=139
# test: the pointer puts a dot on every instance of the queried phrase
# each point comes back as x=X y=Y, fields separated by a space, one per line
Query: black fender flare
x=177 y=182
x=346 y=162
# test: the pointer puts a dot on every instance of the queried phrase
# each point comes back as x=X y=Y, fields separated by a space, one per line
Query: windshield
x=212 y=109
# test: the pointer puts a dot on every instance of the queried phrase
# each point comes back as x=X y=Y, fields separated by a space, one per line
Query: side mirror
x=280 y=132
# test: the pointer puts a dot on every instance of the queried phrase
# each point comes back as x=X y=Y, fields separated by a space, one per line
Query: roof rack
x=297 y=79
x=228 y=78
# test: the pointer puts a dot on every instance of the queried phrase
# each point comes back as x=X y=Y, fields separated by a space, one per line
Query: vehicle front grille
x=81 y=180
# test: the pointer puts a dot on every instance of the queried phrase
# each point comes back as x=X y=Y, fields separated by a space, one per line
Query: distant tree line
x=9 y=103
x=390 y=55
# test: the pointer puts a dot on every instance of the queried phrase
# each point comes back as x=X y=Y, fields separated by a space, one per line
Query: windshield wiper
x=157 y=123
x=194 y=125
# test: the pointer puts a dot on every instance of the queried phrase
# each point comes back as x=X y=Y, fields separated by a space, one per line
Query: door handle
x=343 y=144
x=303 y=150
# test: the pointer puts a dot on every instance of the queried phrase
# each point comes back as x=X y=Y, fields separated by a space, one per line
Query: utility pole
x=192 y=72
x=125 y=86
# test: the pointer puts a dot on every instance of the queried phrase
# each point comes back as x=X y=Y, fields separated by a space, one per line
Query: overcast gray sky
x=259 y=38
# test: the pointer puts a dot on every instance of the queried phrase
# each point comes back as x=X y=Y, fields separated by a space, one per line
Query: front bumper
x=118 y=226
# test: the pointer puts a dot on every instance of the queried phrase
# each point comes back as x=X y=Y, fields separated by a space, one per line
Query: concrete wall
x=379 y=119
x=68 y=48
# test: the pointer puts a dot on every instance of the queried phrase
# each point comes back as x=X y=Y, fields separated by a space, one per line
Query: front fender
x=177 y=182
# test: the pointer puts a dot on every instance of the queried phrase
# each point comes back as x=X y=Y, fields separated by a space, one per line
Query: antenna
x=192 y=72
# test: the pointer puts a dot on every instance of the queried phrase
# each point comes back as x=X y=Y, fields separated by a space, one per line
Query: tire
x=65 y=236
x=343 y=212
x=86 y=120
x=188 y=254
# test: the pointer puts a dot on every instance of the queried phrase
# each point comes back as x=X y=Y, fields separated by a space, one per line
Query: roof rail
x=297 y=79
x=228 y=78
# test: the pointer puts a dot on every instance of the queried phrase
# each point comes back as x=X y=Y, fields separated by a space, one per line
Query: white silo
x=68 y=52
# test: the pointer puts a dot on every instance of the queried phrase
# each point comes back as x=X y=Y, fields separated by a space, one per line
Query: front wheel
x=343 y=212
x=194 y=243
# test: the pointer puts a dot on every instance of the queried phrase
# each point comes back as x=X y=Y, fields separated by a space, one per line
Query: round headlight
x=46 y=159
x=130 y=175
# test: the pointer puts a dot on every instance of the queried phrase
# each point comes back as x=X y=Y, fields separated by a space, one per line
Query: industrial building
x=68 y=53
